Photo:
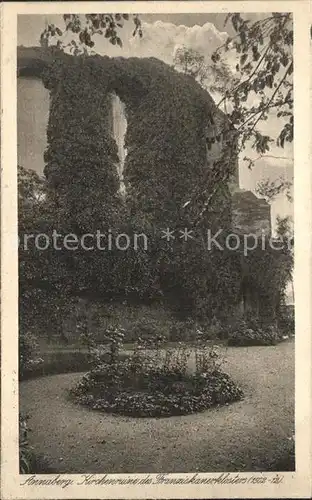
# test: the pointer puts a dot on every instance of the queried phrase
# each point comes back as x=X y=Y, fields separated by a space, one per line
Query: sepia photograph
x=156 y=288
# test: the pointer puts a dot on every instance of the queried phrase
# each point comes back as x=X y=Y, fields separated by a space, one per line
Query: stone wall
x=33 y=103
x=250 y=214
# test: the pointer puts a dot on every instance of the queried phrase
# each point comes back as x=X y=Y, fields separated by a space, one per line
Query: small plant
x=182 y=331
x=207 y=356
x=85 y=336
x=115 y=339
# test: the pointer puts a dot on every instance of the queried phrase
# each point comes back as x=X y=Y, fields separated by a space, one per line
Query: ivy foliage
x=168 y=161
x=167 y=113
x=167 y=157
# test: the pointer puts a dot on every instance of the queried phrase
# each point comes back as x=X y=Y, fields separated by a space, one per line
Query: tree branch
x=273 y=95
x=248 y=79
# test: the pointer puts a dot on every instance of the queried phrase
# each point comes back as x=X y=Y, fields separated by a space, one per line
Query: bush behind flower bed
x=249 y=333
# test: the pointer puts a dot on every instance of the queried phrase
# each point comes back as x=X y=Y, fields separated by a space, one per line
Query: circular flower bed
x=119 y=388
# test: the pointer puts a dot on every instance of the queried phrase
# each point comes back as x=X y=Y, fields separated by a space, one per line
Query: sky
x=162 y=35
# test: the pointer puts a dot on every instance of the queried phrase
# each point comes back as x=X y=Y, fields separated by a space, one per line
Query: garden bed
x=154 y=394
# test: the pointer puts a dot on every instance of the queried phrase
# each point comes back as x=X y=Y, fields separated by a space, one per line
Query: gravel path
x=247 y=435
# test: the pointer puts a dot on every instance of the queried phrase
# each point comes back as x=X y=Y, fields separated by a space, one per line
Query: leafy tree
x=262 y=85
x=265 y=68
x=284 y=227
x=285 y=232
x=269 y=189
x=31 y=187
x=41 y=273
x=84 y=28
x=214 y=78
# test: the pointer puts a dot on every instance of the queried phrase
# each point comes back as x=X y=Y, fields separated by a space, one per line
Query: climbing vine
x=81 y=156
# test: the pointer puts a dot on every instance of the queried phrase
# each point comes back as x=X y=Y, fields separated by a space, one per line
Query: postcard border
x=296 y=484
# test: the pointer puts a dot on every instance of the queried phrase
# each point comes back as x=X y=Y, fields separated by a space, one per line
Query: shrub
x=147 y=329
x=28 y=356
x=154 y=381
x=251 y=333
x=178 y=332
x=184 y=331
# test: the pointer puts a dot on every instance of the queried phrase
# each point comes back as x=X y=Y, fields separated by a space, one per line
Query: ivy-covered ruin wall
x=167 y=114
x=168 y=164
